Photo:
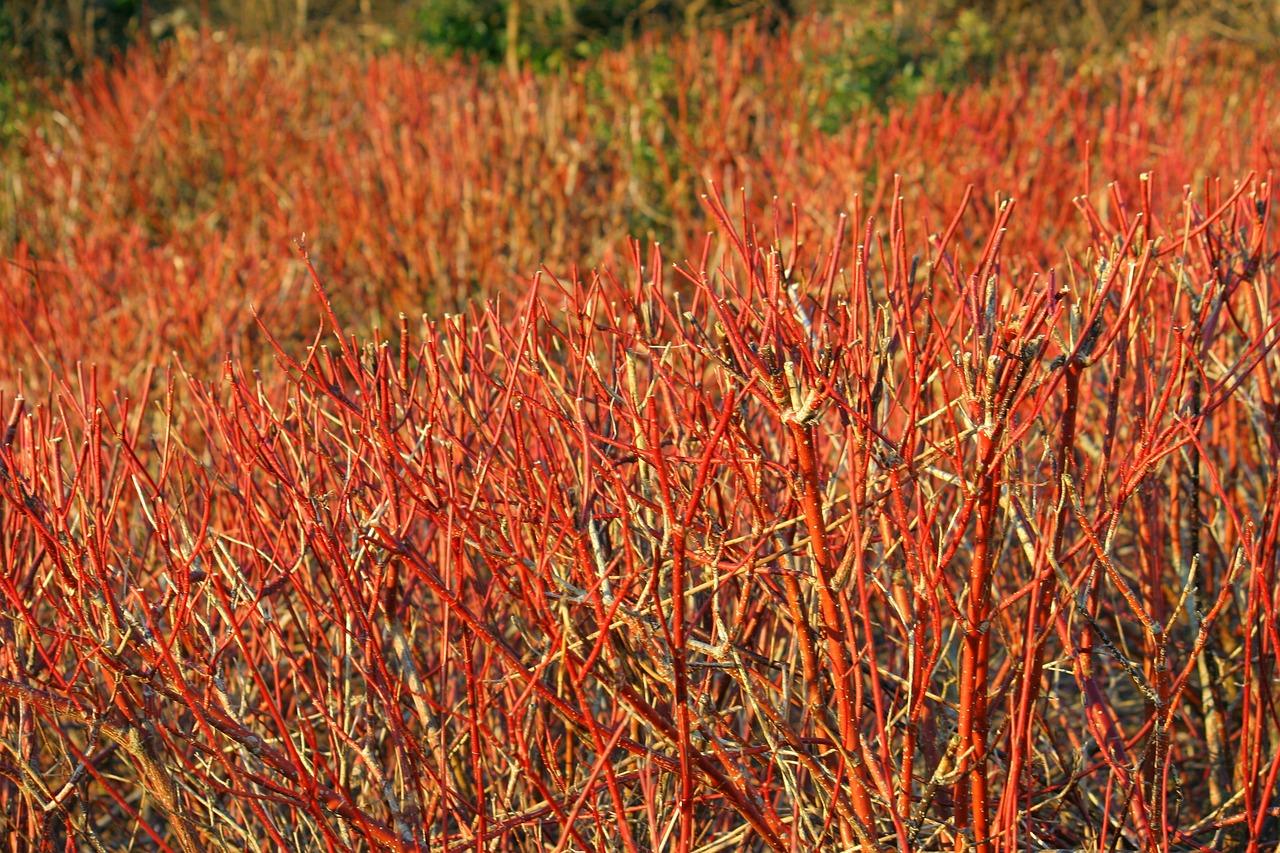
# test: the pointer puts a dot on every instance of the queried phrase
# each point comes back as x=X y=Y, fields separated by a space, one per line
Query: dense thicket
x=938 y=510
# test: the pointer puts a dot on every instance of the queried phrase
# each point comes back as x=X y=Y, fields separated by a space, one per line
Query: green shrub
x=881 y=60
x=466 y=26
x=550 y=33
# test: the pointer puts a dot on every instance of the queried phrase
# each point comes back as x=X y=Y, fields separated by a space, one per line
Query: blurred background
x=61 y=36
x=157 y=157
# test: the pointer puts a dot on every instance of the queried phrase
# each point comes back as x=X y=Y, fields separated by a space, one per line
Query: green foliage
x=881 y=61
x=552 y=33
x=467 y=26
x=15 y=108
